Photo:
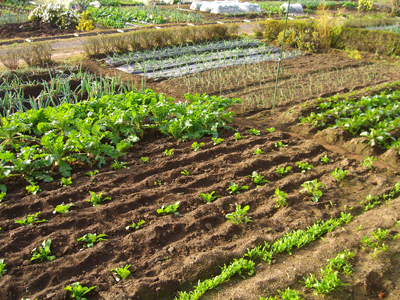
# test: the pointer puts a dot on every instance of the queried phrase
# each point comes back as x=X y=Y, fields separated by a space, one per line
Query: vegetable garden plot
x=393 y=28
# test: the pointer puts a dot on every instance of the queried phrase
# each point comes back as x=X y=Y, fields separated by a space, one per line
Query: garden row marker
x=280 y=59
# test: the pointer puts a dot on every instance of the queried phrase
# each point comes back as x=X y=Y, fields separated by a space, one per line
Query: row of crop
x=373 y=117
x=35 y=143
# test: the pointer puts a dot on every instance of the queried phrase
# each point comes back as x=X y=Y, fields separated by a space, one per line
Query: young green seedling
x=185 y=172
x=339 y=174
x=122 y=272
x=63 y=208
x=197 y=146
x=97 y=199
x=134 y=225
x=78 y=291
x=235 y=189
x=169 y=209
x=271 y=130
x=367 y=163
x=239 y=215
x=118 y=165
x=217 y=141
x=43 y=252
x=258 y=151
x=33 y=188
x=312 y=188
x=282 y=171
x=325 y=159
x=280 y=145
x=90 y=239
x=280 y=198
x=65 y=181
x=92 y=173
x=258 y=179
x=237 y=136
x=169 y=152
x=209 y=197
x=30 y=219
x=304 y=166
x=144 y=159
x=254 y=131
x=2 y=267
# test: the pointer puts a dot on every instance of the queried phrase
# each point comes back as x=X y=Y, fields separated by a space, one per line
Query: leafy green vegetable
x=237 y=136
x=144 y=159
x=30 y=219
x=197 y=146
x=33 y=188
x=169 y=152
x=312 y=188
x=258 y=179
x=217 y=141
x=97 y=199
x=254 y=131
x=280 y=198
x=63 y=208
x=122 y=272
x=339 y=174
x=304 y=166
x=282 y=171
x=169 y=209
x=209 y=197
x=235 y=189
x=79 y=291
x=135 y=225
x=2 y=267
x=43 y=252
x=239 y=215
x=185 y=172
x=65 y=181
x=90 y=239
x=258 y=151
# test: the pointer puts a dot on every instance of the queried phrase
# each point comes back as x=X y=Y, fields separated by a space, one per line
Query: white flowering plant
x=54 y=14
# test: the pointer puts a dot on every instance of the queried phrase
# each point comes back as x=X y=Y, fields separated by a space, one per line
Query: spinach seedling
x=134 y=225
x=118 y=165
x=144 y=159
x=65 y=181
x=258 y=179
x=254 y=131
x=258 y=151
x=169 y=209
x=339 y=174
x=63 y=208
x=197 y=146
x=2 y=267
x=122 y=272
x=185 y=172
x=235 y=189
x=209 y=197
x=280 y=198
x=79 y=291
x=43 y=252
x=30 y=219
x=271 y=130
x=304 y=166
x=92 y=173
x=217 y=141
x=325 y=159
x=282 y=171
x=237 y=136
x=97 y=199
x=280 y=145
x=169 y=152
x=33 y=188
x=367 y=163
x=90 y=239
x=312 y=188
x=239 y=215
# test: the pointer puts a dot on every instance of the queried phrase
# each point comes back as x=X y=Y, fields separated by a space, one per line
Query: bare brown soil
x=170 y=253
x=31 y=29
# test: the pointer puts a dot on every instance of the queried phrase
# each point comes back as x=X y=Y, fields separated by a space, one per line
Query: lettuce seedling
x=79 y=291
x=258 y=151
x=122 y=272
x=237 y=136
x=63 y=208
x=325 y=159
x=134 y=225
x=197 y=146
x=65 y=181
x=118 y=165
x=2 y=195
x=169 y=152
x=30 y=219
x=280 y=145
x=97 y=199
x=91 y=238
x=2 y=267
x=185 y=172
x=33 y=188
x=280 y=198
x=209 y=197
x=235 y=189
x=282 y=171
x=258 y=179
x=169 y=209
x=254 y=131
x=271 y=130
x=92 y=173
x=144 y=159
x=339 y=174
x=367 y=163
x=304 y=166
x=239 y=215
x=217 y=141
x=312 y=188
x=43 y=252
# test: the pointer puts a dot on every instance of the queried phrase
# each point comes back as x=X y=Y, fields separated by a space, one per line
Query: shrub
x=85 y=22
x=36 y=54
x=10 y=59
x=54 y=14
x=365 y=4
